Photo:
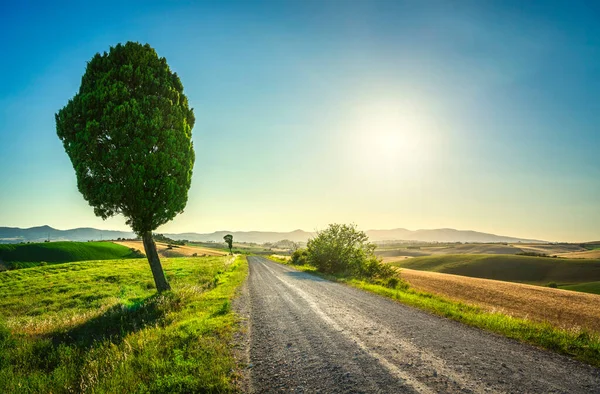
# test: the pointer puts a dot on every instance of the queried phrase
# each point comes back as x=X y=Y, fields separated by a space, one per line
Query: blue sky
x=418 y=114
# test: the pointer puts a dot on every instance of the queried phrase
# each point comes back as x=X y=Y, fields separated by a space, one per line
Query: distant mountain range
x=42 y=233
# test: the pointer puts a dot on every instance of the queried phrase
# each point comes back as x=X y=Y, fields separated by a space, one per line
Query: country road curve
x=308 y=335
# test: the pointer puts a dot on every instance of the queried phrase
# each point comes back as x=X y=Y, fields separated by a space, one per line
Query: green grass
x=581 y=344
x=590 y=287
x=99 y=326
x=511 y=268
x=30 y=255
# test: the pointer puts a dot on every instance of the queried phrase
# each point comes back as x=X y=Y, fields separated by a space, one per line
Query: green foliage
x=553 y=285
x=342 y=249
x=392 y=283
x=299 y=257
x=98 y=326
x=229 y=241
x=511 y=268
x=128 y=134
x=533 y=254
x=30 y=255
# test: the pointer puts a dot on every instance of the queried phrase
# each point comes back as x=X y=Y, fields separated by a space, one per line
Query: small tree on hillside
x=342 y=249
x=229 y=240
x=128 y=134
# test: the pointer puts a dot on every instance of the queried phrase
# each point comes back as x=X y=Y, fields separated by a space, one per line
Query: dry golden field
x=550 y=249
x=562 y=308
x=394 y=259
x=588 y=254
x=176 y=251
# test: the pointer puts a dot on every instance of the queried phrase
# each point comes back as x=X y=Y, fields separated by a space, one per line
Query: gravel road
x=310 y=335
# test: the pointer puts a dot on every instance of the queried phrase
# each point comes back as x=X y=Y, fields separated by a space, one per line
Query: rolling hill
x=511 y=268
x=29 y=255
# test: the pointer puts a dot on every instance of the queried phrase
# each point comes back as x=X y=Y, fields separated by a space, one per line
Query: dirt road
x=310 y=335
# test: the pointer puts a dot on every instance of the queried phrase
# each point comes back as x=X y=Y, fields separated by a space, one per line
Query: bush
x=299 y=257
x=392 y=282
x=554 y=285
x=532 y=254
x=342 y=249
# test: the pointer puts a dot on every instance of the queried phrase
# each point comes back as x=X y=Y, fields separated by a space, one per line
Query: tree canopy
x=128 y=134
x=342 y=249
x=229 y=240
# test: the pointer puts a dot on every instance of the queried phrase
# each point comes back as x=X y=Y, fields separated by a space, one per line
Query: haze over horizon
x=479 y=116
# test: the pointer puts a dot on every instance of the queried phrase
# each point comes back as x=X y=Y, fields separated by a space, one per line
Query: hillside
x=388 y=250
x=525 y=269
x=28 y=255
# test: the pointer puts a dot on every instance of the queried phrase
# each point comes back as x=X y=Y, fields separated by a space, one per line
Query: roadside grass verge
x=99 y=326
x=16 y=256
x=581 y=344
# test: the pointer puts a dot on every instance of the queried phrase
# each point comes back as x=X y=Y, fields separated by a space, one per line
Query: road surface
x=311 y=335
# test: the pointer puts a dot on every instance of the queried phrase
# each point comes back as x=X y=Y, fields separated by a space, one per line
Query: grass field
x=590 y=287
x=99 y=326
x=579 y=343
x=30 y=255
x=524 y=269
x=592 y=245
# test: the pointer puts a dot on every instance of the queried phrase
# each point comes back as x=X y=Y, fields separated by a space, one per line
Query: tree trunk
x=159 y=276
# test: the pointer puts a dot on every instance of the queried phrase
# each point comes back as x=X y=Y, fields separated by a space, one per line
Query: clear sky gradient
x=420 y=114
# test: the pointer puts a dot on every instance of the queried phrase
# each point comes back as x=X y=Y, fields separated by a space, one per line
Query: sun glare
x=393 y=140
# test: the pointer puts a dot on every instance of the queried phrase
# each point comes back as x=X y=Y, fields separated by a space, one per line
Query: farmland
x=100 y=326
x=512 y=268
x=166 y=250
x=30 y=255
x=238 y=247
x=565 y=309
x=433 y=249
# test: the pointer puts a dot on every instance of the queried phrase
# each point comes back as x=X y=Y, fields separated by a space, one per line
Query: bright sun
x=393 y=139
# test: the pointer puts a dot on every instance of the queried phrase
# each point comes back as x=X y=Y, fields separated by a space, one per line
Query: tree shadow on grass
x=119 y=321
